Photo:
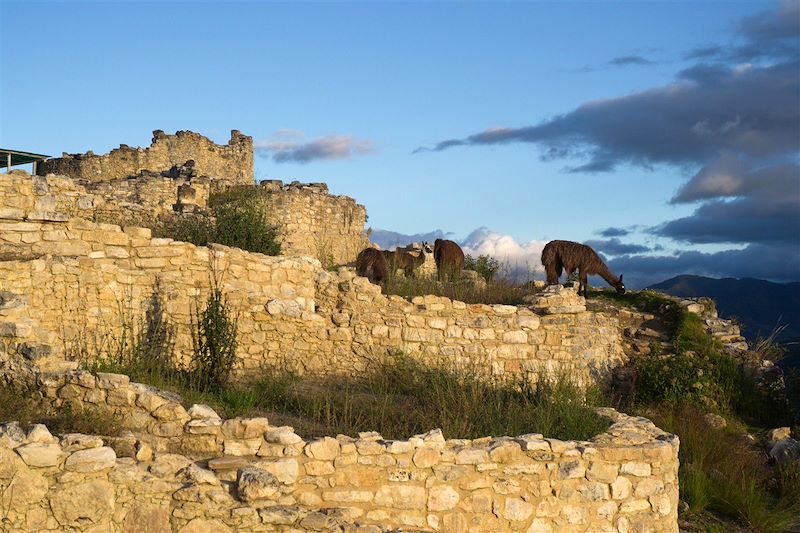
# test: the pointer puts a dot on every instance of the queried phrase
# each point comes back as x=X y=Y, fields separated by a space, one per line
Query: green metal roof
x=19 y=158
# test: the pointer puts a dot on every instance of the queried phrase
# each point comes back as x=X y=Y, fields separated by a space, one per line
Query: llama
x=558 y=256
x=405 y=260
x=449 y=258
x=371 y=264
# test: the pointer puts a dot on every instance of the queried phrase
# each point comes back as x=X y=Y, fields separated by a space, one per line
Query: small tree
x=486 y=266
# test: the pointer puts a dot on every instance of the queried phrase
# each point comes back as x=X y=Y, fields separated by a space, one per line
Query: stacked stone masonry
x=311 y=222
x=187 y=470
x=230 y=164
x=81 y=281
x=67 y=284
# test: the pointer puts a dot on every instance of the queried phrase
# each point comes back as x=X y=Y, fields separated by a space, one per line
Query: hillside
x=757 y=304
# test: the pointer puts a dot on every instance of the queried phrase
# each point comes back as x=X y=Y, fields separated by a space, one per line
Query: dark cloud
x=752 y=111
x=775 y=263
x=616 y=247
x=737 y=221
x=730 y=177
x=287 y=146
x=704 y=52
x=772 y=34
x=742 y=204
x=630 y=60
x=613 y=232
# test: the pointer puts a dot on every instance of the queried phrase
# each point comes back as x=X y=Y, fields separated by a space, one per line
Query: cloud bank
x=287 y=146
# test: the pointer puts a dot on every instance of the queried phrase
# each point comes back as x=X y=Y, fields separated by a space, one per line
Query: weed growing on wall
x=214 y=341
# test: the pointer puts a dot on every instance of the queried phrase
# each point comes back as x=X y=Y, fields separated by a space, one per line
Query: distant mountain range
x=757 y=304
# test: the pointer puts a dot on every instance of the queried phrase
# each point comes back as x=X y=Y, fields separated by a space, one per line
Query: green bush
x=486 y=266
x=238 y=220
x=214 y=341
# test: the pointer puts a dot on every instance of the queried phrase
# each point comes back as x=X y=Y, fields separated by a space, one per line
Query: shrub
x=486 y=266
x=214 y=341
x=726 y=474
x=238 y=219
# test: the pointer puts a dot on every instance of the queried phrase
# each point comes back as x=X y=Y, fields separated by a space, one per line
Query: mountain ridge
x=759 y=305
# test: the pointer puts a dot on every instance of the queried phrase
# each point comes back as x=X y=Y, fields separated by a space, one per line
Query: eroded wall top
x=229 y=164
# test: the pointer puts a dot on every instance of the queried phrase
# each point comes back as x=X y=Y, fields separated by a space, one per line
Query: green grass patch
x=399 y=398
x=500 y=291
x=723 y=473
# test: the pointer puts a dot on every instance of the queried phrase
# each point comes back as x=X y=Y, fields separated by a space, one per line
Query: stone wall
x=81 y=281
x=230 y=164
x=139 y=199
x=311 y=222
x=189 y=471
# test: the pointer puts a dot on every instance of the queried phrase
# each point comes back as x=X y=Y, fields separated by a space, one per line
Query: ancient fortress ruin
x=66 y=273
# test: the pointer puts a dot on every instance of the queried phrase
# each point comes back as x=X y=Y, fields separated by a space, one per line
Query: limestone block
x=254 y=485
x=168 y=464
x=82 y=504
x=401 y=497
x=284 y=435
x=241 y=447
x=285 y=470
x=347 y=496
x=91 y=460
x=147 y=518
x=324 y=449
x=201 y=525
x=442 y=498
x=39 y=433
x=635 y=469
x=517 y=509
x=471 y=456
x=603 y=472
x=40 y=455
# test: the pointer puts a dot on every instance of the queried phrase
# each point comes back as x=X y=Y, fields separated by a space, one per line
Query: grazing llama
x=449 y=258
x=371 y=264
x=567 y=256
x=406 y=260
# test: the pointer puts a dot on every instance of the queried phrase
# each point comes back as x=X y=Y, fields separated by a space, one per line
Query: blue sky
x=347 y=92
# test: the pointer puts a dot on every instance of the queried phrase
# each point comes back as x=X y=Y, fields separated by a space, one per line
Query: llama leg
x=584 y=283
x=552 y=274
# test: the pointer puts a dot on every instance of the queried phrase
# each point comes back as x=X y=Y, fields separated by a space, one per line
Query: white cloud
x=521 y=259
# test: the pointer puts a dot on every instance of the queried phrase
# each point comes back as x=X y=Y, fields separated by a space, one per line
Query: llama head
x=620 y=286
x=426 y=248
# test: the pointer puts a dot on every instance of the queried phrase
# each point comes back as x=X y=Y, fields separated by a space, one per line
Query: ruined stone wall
x=230 y=164
x=189 y=470
x=311 y=222
x=82 y=281
x=140 y=199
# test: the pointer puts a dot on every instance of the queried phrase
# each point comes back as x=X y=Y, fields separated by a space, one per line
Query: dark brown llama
x=371 y=264
x=449 y=259
x=405 y=260
x=567 y=256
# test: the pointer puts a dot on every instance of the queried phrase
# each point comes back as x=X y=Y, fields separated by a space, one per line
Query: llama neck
x=420 y=259
x=606 y=274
